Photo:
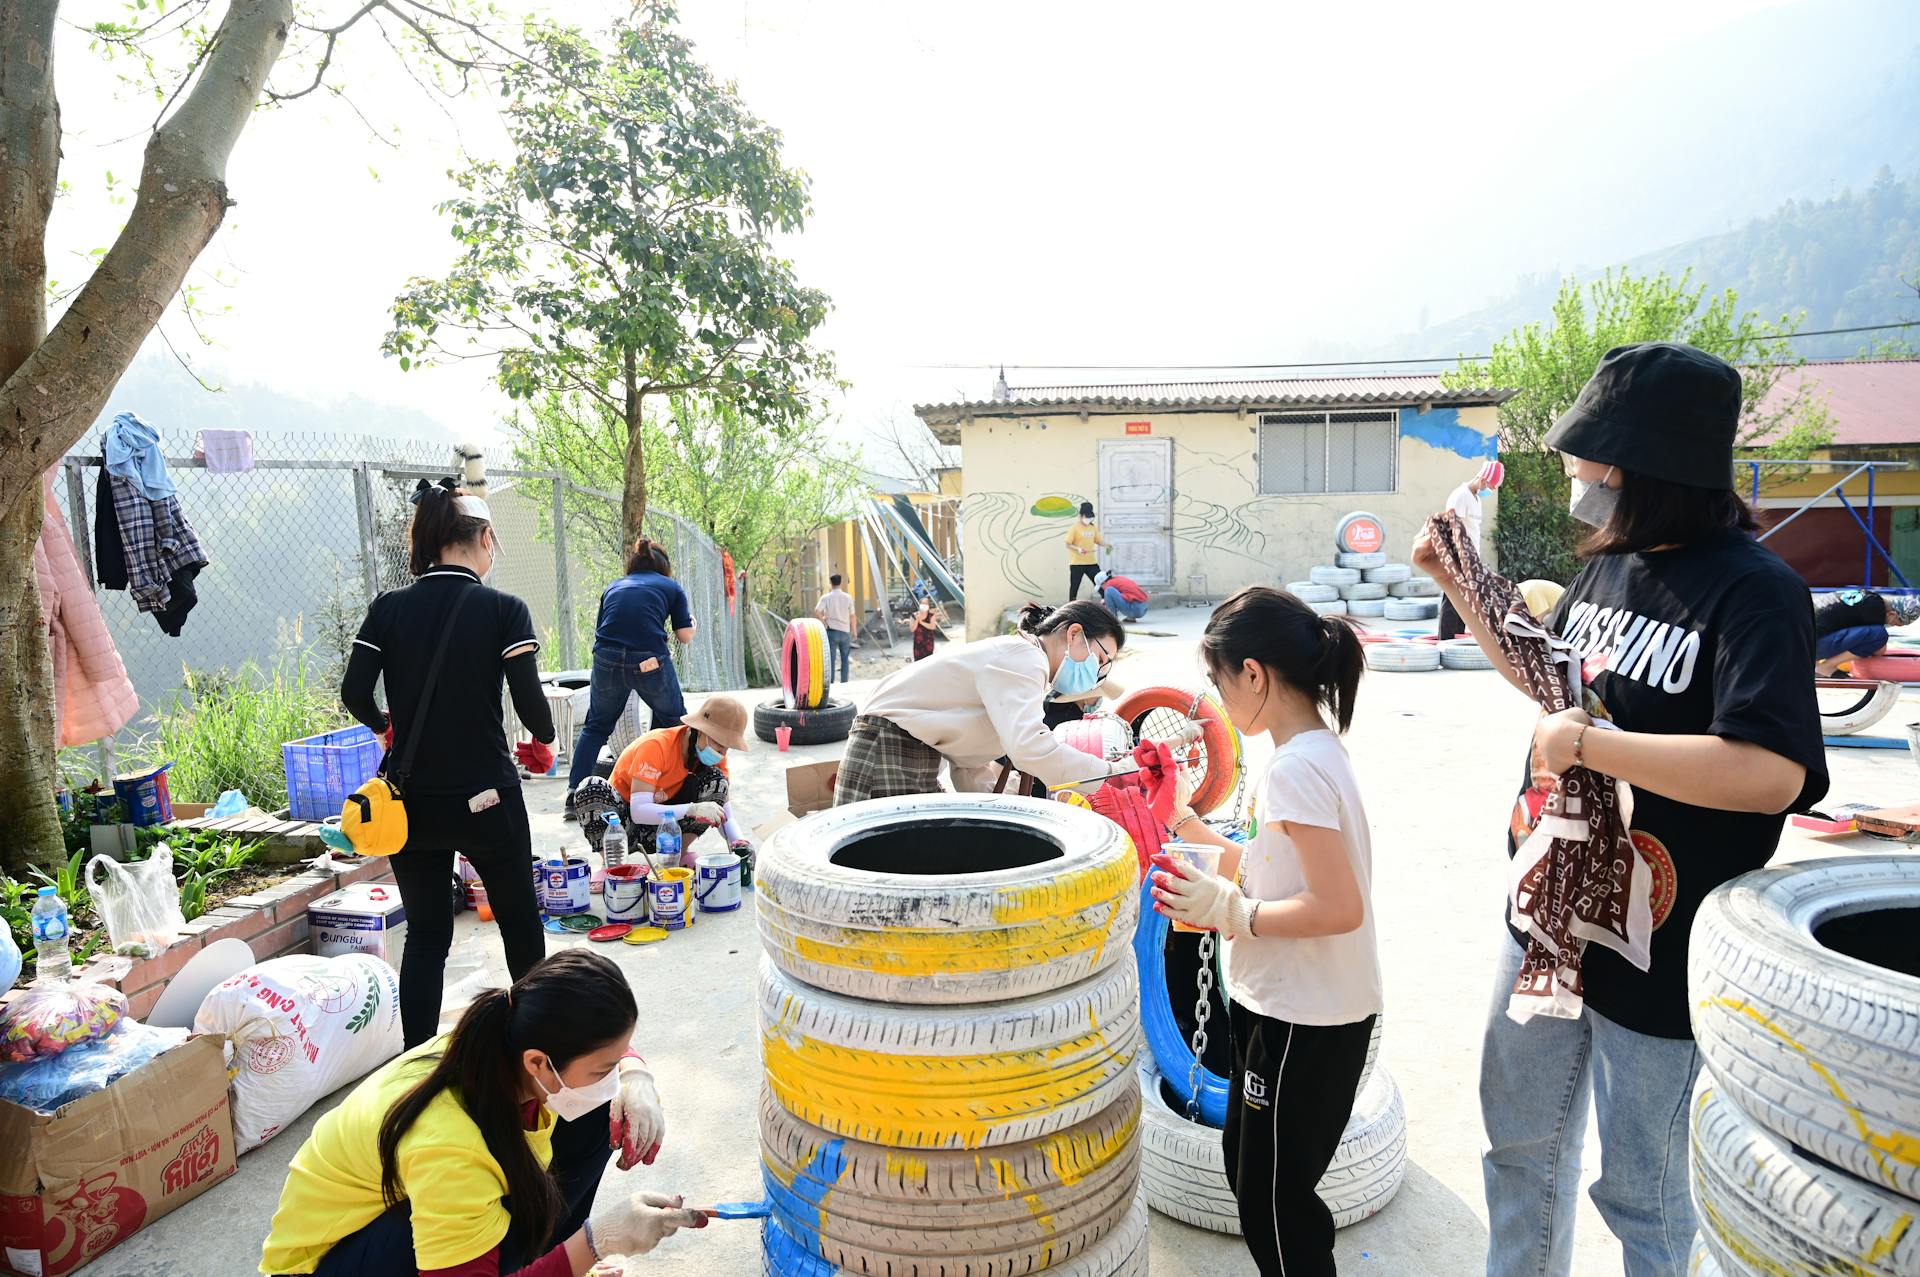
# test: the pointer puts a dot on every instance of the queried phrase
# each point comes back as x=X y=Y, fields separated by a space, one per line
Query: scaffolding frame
x=1837 y=490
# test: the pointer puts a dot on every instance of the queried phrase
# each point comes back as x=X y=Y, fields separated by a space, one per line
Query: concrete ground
x=1439 y=757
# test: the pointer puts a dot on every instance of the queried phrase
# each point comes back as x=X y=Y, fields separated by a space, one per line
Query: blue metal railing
x=1838 y=490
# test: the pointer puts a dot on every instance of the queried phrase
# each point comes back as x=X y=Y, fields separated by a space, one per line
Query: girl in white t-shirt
x=1303 y=970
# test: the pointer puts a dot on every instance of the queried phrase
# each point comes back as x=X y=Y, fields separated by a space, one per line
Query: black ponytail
x=1040 y=620
x=437 y=524
x=567 y=1005
x=1318 y=656
x=649 y=556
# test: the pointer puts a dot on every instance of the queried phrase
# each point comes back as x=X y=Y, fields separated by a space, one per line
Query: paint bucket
x=667 y=898
x=146 y=797
x=624 y=894
x=717 y=882
x=565 y=885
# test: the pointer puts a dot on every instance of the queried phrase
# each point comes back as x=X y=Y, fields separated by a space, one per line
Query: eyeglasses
x=1106 y=661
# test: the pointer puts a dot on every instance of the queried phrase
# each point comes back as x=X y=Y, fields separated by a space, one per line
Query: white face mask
x=571 y=1103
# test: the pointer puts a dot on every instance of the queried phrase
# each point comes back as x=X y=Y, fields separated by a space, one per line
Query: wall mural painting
x=1005 y=527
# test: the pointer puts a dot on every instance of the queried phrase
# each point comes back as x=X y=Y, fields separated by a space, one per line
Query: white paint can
x=717 y=885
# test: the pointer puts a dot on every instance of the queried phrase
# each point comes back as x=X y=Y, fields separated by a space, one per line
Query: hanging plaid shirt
x=158 y=542
x=1578 y=877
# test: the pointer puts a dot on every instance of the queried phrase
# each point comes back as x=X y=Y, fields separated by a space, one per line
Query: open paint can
x=667 y=898
x=624 y=894
x=717 y=882
x=565 y=885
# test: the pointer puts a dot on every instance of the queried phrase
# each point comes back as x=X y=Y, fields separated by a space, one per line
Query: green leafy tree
x=625 y=252
x=1548 y=363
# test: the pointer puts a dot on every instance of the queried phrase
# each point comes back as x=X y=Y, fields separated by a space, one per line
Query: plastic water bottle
x=613 y=843
x=667 y=845
x=50 y=928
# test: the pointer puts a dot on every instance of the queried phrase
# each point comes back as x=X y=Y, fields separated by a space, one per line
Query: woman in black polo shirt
x=463 y=790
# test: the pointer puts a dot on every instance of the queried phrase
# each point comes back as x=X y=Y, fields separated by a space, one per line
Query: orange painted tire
x=1154 y=713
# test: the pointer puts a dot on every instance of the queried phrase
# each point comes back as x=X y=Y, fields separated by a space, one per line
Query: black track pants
x=1291 y=1094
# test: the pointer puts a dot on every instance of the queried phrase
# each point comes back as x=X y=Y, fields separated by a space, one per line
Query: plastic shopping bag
x=48 y=1018
x=44 y=1085
x=140 y=902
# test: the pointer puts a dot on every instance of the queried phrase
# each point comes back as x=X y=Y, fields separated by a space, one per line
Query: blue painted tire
x=1171 y=1052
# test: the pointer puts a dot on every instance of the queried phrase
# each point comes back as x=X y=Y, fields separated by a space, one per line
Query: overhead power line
x=1344 y=363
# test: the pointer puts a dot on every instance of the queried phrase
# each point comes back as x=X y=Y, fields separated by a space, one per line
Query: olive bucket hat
x=1657 y=408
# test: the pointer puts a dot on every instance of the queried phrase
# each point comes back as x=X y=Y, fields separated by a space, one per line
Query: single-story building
x=1202 y=487
x=1874 y=405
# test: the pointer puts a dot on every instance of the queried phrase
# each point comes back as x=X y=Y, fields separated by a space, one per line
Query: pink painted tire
x=803 y=663
x=1888 y=669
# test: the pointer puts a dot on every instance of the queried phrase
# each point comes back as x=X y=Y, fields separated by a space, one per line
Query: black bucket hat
x=1657 y=408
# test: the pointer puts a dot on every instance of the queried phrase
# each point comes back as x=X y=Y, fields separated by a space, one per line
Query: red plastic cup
x=783 y=737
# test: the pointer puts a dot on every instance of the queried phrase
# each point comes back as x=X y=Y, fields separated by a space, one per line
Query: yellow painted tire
x=969 y=1077
x=803 y=663
x=1029 y=1206
x=845 y=904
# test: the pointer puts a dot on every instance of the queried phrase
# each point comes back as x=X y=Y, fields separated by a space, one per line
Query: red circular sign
x=1363 y=536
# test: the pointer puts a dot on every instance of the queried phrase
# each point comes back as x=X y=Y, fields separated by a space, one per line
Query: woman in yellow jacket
x=1083 y=558
x=480 y=1153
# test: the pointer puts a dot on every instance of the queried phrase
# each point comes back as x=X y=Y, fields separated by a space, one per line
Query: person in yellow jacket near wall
x=1083 y=551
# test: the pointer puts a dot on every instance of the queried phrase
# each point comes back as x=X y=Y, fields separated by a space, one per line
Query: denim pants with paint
x=616 y=675
x=1118 y=605
x=1535 y=1082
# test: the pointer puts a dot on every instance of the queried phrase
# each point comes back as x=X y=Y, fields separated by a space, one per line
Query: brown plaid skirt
x=884 y=761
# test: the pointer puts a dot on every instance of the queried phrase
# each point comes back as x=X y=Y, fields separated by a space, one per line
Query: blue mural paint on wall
x=1441 y=428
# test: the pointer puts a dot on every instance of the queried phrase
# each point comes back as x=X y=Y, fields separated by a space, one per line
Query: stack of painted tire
x=811 y=716
x=949 y=1017
x=1359 y=582
x=1805 y=987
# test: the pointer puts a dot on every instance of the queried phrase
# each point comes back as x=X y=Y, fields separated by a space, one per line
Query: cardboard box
x=366 y=917
x=76 y=1183
x=810 y=786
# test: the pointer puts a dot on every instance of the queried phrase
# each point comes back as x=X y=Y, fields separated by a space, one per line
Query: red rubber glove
x=534 y=756
x=1158 y=770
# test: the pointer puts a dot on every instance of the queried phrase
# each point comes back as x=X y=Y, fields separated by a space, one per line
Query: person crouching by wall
x=1123 y=596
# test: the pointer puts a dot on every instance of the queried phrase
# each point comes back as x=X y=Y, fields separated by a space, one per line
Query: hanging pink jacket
x=92 y=695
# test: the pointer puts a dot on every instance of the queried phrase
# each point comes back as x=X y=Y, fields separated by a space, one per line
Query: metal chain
x=1202 y=1012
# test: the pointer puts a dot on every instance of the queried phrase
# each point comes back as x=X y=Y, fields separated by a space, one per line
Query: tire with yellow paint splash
x=1805 y=988
x=972 y=1077
x=1764 y=1207
x=1700 y=1260
x=947 y=899
x=1016 y=1208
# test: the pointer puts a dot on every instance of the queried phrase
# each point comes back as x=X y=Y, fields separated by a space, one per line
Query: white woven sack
x=1363 y=590
x=1312 y=592
x=1372 y=559
x=1419 y=587
x=635 y=721
x=1389 y=573
x=1335 y=576
x=1366 y=607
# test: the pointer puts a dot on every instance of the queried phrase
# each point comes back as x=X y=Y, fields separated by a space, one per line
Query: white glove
x=706 y=813
x=1206 y=901
x=638 y=1125
x=638 y=1224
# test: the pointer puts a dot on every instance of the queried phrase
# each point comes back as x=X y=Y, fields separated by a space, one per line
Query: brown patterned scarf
x=1577 y=877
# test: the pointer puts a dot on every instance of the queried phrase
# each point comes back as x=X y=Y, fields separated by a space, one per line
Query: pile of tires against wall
x=949 y=1016
x=1805 y=985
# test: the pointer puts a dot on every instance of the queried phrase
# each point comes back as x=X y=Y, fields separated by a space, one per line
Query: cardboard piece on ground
x=810 y=786
x=774 y=826
x=1891 y=822
x=76 y=1183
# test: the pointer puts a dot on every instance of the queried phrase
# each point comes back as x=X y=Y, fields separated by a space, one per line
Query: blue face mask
x=1077 y=676
x=711 y=757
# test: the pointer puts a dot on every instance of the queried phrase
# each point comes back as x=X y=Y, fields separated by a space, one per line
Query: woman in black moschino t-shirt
x=1697 y=645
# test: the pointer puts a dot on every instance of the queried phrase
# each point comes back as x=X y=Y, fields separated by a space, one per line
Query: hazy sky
x=1099 y=183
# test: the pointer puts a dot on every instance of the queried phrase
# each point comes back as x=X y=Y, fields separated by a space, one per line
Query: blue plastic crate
x=322 y=770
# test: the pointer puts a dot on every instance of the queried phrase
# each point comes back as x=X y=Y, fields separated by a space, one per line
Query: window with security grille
x=1309 y=452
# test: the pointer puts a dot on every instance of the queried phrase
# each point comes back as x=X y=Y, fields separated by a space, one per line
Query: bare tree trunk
x=633 y=486
x=29 y=171
x=56 y=383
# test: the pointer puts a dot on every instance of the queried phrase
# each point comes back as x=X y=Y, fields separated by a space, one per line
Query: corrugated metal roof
x=1873 y=401
x=1214 y=396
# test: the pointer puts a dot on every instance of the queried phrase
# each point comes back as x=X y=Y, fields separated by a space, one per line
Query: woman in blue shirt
x=630 y=654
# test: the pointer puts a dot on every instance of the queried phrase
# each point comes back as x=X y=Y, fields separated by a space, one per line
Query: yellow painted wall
x=1222 y=526
x=1778 y=482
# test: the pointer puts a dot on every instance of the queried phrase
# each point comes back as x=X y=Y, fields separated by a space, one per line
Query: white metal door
x=1136 y=508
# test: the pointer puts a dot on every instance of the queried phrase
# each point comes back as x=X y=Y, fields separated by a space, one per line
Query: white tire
x=1820 y=1047
x=1464 y=654
x=1367 y=607
x=1419 y=587
x=1312 y=591
x=1337 y=607
x=1411 y=609
x=967 y=1077
x=1184 y=1171
x=1766 y=1208
x=1334 y=576
x=1701 y=1263
x=1402 y=658
x=1363 y=590
x=1029 y=1205
x=1389 y=573
x=1377 y=558
x=1365 y=540
x=836 y=913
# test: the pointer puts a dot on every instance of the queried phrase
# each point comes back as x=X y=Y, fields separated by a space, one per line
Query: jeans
x=1535 y=1082
x=1120 y=607
x=384 y=1248
x=1861 y=640
x=616 y=672
x=840 y=648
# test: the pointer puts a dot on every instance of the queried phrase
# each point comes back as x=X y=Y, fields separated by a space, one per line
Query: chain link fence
x=300 y=544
